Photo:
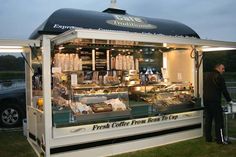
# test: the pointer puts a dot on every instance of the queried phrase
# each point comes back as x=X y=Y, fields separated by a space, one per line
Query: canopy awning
x=111 y=19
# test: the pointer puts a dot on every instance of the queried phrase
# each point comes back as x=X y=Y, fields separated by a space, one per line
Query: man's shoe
x=229 y=142
x=224 y=142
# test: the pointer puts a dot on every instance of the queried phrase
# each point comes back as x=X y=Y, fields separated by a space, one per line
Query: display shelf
x=64 y=118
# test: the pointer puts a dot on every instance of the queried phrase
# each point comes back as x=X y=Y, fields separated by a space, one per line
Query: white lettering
x=128 y=18
x=131 y=24
x=63 y=27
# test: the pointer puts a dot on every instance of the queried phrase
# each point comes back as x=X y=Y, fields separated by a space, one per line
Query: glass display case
x=87 y=101
x=126 y=87
x=163 y=98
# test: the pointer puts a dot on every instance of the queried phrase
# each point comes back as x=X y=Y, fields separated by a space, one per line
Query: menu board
x=86 y=57
x=100 y=60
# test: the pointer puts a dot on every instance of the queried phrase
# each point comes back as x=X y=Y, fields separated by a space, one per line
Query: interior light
x=165 y=61
x=10 y=50
x=164 y=44
x=208 y=49
x=61 y=47
x=11 y=47
x=6 y=49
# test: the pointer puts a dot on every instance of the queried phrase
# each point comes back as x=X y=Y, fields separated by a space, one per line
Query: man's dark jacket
x=213 y=87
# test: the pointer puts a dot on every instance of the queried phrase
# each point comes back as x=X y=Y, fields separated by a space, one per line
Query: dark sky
x=211 y=19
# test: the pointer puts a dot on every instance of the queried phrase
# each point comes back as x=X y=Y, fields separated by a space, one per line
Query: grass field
x=191 y=148
x=14 y=144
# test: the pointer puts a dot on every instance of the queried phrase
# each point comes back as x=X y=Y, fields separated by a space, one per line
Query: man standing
x=214 y=86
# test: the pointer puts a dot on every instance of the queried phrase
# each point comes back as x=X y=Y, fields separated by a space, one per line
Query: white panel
x=25 y=43
x=130 y=36
x=157 y=141
x=64 y=136
x=180 y=66
x=125 y=147
x=32 y=120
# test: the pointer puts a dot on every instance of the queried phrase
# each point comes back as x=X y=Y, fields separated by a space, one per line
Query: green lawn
x=191 y=148
x=14 y=144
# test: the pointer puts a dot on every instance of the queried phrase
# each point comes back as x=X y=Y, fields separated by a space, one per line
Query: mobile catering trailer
x=113 y=83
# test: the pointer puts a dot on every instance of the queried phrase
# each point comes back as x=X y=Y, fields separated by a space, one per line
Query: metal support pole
x=226 y=127
x=196 y=59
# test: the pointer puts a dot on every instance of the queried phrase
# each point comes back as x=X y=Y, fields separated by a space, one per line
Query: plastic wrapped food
x=117 y=104
x=80 y=108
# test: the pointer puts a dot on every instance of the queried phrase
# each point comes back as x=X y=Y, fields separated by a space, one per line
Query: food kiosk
x=113 y=83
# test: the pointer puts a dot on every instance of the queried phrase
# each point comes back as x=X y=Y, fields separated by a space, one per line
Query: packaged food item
x=76 y=62
x=117 y=104
x=101 y=107
x=93 y=99
x=80 y=108
x=113 y=63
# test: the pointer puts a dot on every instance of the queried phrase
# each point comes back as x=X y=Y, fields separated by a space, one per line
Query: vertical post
x=196 y=58
x=108 y=59
x=28 y=85
x=93 y=59
x=165 y=67
x=200 y=68
x=47 y=108
x=226 y=127
x=113 y=4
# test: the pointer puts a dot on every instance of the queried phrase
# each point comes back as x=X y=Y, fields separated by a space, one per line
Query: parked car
x=12 y=107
